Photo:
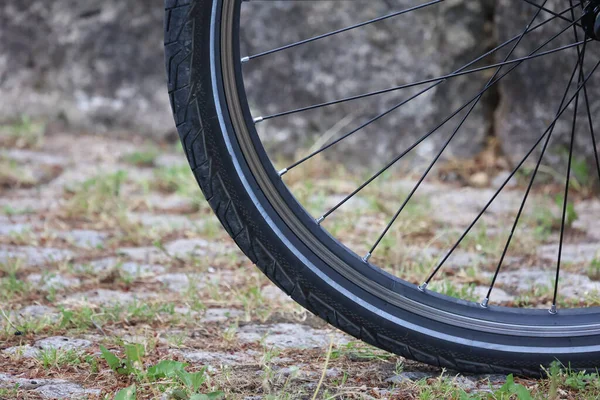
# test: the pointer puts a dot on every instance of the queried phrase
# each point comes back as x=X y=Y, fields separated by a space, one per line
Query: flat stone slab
x=458 y=258
x=185 y=248
x=53 y=281
x=8 y=381
x=498 y=295
x=221 y=314
x=62 y=343
x=290 y=336
x=459 y=207
x=571 y=253
x=105 y=265
x=178 y=282
x=65 y=390
x=165 y=221
x=217 y=358
x=466 y=382
x=55 y=342
x=26 y=201
x=353 y=204
x=409 y=376
x=38 y=312
x=524 y=280
x=35 y=157
x=141 y=270
x=48 y=388
x=577 y=286
x=149 y=255
x=8 y=229
x=172 y=203
x=106 y=297
x=26 y=351
x=274 y=294
x=86 y=239
x=33 y=255
x=570 y=285
x=169 y=160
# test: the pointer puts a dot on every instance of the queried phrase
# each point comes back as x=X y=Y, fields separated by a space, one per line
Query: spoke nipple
x=552 y=309
x=245 y=59
x=258 y=119
x=282 y=172
x=320 y=219
x=366 y=258
x=423 y=287
x=484 y=303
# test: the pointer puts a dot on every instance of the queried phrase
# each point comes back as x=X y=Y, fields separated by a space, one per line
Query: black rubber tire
x=222 y=173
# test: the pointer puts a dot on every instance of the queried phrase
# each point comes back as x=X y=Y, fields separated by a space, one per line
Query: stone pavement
x=104 y=244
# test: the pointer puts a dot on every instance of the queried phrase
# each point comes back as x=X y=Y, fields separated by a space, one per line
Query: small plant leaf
x=113 y=361
x=166 y=369
x=128 y=393
x=67 y=316
x=512 y=388
x=134 y=352
x=208 y=396
x=522 y=392
x=192 y=380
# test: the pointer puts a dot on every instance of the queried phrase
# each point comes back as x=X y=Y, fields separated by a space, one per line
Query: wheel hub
x=591 y=19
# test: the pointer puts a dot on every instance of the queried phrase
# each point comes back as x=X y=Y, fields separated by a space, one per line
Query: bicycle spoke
x=510 y=176
x=591 y=126
x=422 y=138
x=395 y=107
x=587 y=102
x=485 y=301
x=458 y=72
x=338 y=31
x=439 y=154
x=552 y=12
x=566 y=196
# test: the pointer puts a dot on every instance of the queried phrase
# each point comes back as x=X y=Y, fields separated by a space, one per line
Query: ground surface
x=114 y=274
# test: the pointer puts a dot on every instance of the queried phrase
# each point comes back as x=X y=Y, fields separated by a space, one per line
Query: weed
x=570 y=213
x=171 y=376
x=13 y=175
x=593 y=270
x=56 y=358
x=464 y=292
x=102 y=195
x=144 y=158
x=12 y=288
x=25 y=133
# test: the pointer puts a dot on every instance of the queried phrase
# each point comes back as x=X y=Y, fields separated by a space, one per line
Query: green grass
x=56 y=358
x=11 y=211
x=448 y=288
x=593 y=269
x=179 y=180
x=25 y=133
x=104 y=201
x=100 y=195
x=14 y=175
x=12 y=287
x=142 y=158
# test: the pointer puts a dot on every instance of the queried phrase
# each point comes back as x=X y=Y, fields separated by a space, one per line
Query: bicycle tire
x=194 y=47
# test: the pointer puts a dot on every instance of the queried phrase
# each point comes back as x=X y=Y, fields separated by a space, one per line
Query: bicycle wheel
x=271 y=224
